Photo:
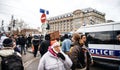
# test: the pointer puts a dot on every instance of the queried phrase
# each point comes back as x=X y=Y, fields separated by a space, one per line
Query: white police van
x=102 y=41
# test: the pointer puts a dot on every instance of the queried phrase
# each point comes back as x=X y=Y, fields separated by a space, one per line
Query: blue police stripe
x=117 y=52
x=105 y=52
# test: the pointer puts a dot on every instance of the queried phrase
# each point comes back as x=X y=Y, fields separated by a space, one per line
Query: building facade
x=70 y=22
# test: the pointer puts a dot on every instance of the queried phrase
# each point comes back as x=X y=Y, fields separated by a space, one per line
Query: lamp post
x=2 y=28
x=13 y=25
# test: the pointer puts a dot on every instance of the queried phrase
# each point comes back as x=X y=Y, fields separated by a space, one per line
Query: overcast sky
x=28 y=10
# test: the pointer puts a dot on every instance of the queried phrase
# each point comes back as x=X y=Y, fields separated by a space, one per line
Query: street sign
x=42 y=11
x=43 y=18
x=47 y=12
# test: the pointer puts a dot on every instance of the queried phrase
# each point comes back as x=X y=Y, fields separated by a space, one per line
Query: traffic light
x=2 y=22
x=48 y=27
x=9 y=28
x=14 y=23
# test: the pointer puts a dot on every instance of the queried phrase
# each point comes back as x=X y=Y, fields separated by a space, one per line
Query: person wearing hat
x=55 y=59
x=8 y=48
x=2 y=38
x=10 y=57
x=36 y=43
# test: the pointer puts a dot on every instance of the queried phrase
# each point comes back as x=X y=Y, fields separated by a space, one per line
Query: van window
x=106 y=37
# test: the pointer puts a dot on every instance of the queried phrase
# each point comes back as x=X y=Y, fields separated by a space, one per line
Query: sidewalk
x=28 y=56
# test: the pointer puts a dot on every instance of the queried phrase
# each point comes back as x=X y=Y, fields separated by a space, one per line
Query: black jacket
x=44 y=46
x=36 y=42
x=22 y=41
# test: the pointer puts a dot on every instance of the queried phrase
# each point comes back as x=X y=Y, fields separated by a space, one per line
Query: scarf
x=51 y=51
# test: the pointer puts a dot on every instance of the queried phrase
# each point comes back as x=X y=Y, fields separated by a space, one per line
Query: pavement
x=29 y=58
x=32 y=64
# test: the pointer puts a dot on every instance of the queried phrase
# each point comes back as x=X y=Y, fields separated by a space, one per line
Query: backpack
x=36 y=42
x=12 y=62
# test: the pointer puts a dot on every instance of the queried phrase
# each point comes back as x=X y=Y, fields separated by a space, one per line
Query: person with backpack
x=36 y=43
x=11 y=60
x=79 y=53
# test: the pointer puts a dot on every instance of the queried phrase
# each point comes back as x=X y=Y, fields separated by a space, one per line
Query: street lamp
x=13 y=25
x=2 y=28
x=9 y=28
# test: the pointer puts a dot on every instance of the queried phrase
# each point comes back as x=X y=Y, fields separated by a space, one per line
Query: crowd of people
x=64 y=53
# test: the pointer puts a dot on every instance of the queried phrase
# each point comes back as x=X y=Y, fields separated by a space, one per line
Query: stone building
x=70 y=22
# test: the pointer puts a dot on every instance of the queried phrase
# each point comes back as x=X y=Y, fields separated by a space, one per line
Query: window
x=107 y=37
x=116 y=34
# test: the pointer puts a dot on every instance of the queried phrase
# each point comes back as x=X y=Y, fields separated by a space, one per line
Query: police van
x=103 y=42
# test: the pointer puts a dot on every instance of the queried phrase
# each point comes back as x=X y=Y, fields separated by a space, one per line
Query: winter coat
x=44 y=46
x=36 y=42
x=29 y=40
x=22 y=41
x=7 y=52
x=51 y=62
x=77 y=56
x=74 y=53
x=66 y=45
